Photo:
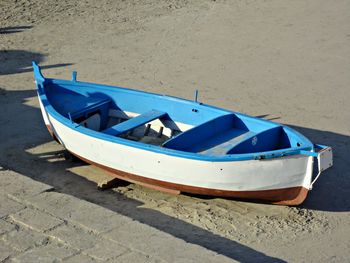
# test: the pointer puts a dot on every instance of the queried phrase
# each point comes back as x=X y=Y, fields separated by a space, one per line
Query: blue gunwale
x=308 y=146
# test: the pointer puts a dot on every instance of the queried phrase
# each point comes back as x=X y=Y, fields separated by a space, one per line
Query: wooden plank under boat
x=177 y=145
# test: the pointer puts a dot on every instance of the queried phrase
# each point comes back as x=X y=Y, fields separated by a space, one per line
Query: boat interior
x=165 y=121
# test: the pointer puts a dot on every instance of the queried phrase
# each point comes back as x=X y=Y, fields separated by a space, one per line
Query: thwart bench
x=134 y=122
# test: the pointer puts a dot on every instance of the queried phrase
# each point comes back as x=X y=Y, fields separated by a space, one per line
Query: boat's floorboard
x=221 y=144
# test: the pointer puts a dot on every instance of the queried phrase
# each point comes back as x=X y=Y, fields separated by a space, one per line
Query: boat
x=177 y=145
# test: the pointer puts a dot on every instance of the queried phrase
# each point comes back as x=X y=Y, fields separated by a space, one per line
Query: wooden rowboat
x=178 y=145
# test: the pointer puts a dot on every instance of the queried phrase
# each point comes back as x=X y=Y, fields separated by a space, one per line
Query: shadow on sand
x=330 y=192
x=13 y=29
x=20 y=61
x=15 y=61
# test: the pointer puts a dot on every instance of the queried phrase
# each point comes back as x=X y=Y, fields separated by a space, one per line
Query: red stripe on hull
x=285 y=196
x=53 y=135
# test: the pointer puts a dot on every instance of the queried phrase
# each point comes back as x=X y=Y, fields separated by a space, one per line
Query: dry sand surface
x=288 y=61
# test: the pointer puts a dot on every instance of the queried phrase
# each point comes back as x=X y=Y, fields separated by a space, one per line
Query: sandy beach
x=287 y=61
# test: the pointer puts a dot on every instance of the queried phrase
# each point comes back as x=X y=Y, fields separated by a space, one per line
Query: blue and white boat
x=178 y=145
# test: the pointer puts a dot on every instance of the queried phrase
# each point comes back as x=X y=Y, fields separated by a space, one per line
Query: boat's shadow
x=21 y=136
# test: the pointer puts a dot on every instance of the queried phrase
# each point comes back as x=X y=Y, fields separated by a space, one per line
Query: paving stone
x=137 y=257
x=91 y=216
x=137 y=236
x=88 y=227
x=105 y=250
x=74 y=236
x=81 y=258
x=49 y=253
x=150 y=241
x=22 y=239
x=133 y=231
x=8 y=206
x=100 y=220
x=5 y=251
x=6 y=227
x=20 y=186
x=58 y=204
x=36 y=219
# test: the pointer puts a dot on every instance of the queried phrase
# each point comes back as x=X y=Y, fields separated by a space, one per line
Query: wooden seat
x=134 y=122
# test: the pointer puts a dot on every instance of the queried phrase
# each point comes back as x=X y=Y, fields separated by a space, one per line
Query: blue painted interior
x=221 y=145
x=229 y=135
x=267 y=140
x=217 y=134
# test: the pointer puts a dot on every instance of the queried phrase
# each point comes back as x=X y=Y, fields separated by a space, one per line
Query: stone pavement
x=38 y=224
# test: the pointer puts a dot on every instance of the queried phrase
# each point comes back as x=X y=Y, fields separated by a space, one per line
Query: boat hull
x=285 y=196
x=283 y=180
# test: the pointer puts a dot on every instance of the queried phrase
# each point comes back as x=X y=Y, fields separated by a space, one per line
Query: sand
x=281 y=60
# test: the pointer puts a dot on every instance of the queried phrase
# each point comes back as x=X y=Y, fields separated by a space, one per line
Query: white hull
x=249 y=175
